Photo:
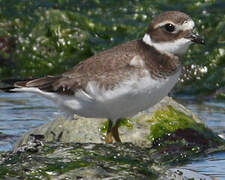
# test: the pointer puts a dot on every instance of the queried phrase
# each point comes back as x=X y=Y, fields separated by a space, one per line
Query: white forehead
x=187 y=25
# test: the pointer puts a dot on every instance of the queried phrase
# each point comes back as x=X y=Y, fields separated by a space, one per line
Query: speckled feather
x=108 y=69
x=125 y=79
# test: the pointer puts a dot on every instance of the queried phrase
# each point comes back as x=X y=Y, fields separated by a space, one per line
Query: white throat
x=177 y=47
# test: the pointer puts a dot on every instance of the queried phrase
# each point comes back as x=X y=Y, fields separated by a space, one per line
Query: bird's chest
x=147 y=91
x=134 y=95
x=129 y=97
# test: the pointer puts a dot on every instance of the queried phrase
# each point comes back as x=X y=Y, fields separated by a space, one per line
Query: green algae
x=169 y=121
x=7 y=171
x=170 y=147
x=178 y=138
x=48 y=37
x=123 y=122
x=75 y=160
x=49 y=150
x=62 y=167
x=104 y=127
x=126 y=122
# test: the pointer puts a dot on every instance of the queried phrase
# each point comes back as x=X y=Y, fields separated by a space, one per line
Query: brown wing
x=106 y=68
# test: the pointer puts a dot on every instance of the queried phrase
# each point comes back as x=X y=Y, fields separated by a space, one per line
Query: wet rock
x=185 y=174
x=88 y=161
x=35 y=141
x=80 y=161
x=154 y=141
x=136 y=130
x=172 y=130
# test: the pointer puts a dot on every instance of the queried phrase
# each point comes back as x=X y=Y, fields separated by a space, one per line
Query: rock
x=83 y=161
x=79 y=161
x=88 y=161
x=85 y=130
x=154 y=142
x=180 y=172
x=166 y=120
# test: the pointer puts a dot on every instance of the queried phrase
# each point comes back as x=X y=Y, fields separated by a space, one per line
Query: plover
x=126 y=79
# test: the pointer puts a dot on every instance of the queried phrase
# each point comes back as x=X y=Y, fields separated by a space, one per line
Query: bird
x=126 y=79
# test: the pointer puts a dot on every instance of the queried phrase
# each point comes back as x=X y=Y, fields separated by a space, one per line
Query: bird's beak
x=195 y=38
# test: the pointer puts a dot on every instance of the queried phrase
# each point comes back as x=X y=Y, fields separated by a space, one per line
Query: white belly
x=127 y=99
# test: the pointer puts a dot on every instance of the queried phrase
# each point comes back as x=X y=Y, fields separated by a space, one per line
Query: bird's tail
x=7 y=85
x=45 y=84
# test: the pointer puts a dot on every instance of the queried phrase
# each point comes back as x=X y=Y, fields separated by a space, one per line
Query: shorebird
x=126 y=79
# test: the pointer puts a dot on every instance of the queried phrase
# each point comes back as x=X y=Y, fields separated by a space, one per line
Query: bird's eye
x=169 y=27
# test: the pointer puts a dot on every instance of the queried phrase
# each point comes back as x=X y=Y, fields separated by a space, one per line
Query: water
x=21 y=112
x=212 y=165
x=212 y=113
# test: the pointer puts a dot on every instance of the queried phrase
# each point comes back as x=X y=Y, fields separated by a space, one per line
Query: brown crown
x=159 y=35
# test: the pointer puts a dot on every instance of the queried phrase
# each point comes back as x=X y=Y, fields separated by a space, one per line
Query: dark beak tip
x=198 y=40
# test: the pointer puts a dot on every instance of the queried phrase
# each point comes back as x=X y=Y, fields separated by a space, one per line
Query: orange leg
x=112 y=131
x=115 y=132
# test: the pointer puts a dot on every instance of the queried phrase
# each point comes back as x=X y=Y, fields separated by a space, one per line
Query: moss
x=80 y=160
x=6 y=171
x=170 y=120
x=104 y=127
x=126 y=122
x=177 y=137
x=62 y=167
x=49 y=150
x=48 y=37
x=123 y=122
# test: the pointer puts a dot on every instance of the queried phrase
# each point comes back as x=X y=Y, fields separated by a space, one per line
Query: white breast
x=128 y=98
